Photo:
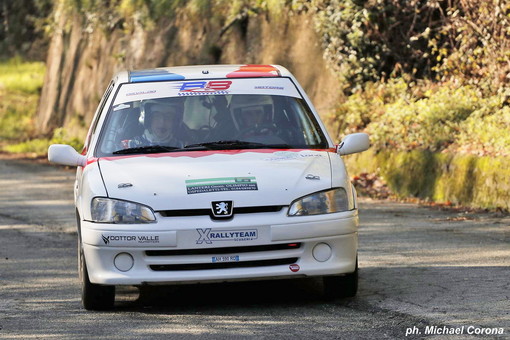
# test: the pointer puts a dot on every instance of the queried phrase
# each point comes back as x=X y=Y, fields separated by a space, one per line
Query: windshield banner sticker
x=199 y=186
x=263 y=86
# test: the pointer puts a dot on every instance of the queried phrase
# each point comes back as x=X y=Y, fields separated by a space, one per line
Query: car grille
x=208 y=212
x=223 y=265
x=224 y=250
x=274 y=249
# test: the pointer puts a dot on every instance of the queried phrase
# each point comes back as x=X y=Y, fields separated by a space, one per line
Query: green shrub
x=61 y=136
x=486 y=131
x=408 y=116
x=33 y=146
x=20 y=76
x=39 y=146
x=20 y=85
x=428 y=123
x=465 y=180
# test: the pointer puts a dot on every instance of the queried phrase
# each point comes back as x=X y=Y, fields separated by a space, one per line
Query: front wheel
x=341 y=286
x=93 y=296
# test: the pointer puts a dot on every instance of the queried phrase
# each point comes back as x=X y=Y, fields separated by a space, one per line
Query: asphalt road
x=423 y=271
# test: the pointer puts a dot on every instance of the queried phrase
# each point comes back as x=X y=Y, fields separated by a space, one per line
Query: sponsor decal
x=203 y=236
x=204 y=87
x=269 y=88
x=201 y=93
x=200 y=186
x=148 y=239
x=208 y=236
x=140 y=93
x=294 y=267
x=289 y=155
x=124 y=185
x=130 y=238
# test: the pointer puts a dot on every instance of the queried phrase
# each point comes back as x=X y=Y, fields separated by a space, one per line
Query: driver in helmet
x=162 y=122
x=254 y=121
x=251 y=116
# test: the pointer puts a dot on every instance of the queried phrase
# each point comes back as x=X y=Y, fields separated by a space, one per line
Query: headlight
x=324 y=202
x=106 y=210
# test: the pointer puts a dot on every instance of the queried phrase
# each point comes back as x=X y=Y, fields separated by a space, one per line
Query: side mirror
x=353 y=143
x=65 y=155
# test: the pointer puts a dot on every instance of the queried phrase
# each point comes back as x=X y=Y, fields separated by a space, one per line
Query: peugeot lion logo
x=222 y=208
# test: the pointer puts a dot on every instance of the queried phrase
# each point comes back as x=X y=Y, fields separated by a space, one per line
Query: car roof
x=203 y=72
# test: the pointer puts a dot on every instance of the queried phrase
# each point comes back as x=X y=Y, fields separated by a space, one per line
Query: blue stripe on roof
x=153 y=75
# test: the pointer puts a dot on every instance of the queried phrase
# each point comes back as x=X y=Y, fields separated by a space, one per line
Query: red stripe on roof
x=247 y=71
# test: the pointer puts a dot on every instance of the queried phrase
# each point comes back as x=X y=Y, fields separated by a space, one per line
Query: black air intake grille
x=225 y=250
x=208 y=212
x=223 y=265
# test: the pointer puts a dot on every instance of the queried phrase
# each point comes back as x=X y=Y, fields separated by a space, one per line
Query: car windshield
x=204 y=115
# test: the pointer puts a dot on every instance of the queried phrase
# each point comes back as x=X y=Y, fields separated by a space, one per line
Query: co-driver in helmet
x=163 y=125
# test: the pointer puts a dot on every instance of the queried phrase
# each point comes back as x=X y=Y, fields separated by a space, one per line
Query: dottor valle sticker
x=294 y=268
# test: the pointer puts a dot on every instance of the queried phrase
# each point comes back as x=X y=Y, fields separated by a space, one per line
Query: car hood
x=192 y=180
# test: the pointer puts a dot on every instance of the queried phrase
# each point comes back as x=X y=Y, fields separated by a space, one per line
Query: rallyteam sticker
x=208 y=236
x=200 y=186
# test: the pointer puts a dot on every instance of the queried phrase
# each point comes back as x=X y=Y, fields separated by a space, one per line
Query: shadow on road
x=168 y=299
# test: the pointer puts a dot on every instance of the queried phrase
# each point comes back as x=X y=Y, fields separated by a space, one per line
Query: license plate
x=233 y=258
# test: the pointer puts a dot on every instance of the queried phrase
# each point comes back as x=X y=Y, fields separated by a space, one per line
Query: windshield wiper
x=223 y=143
x=147 y=149
x=218 y=145
x=236 y=144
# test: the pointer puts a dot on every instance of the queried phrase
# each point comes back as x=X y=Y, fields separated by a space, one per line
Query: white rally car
x=210 y=174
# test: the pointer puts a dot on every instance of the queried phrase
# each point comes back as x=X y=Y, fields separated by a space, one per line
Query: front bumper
x=197 y=249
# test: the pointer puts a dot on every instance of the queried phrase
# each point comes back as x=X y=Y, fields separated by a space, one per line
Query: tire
x=343 y=286
x=93 y=296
